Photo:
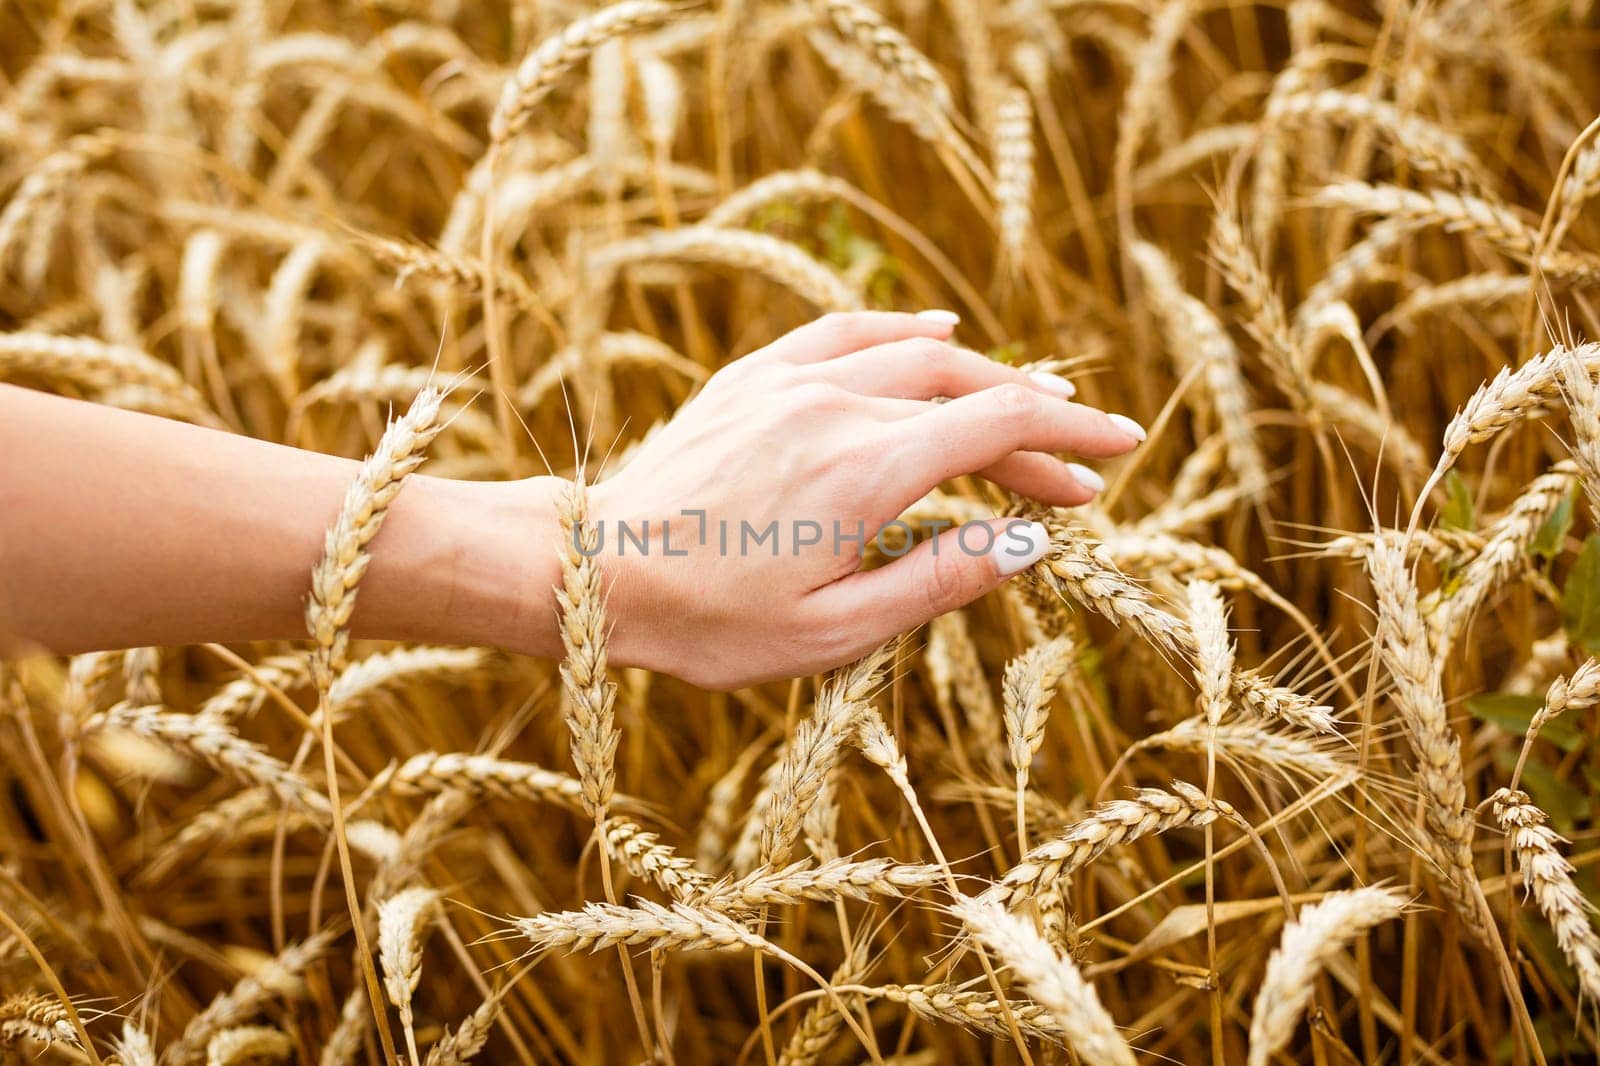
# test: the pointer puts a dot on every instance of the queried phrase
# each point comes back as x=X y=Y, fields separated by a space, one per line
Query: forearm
x=120 y=530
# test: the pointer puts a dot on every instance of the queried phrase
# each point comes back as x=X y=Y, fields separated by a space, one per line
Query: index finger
x=844 y=332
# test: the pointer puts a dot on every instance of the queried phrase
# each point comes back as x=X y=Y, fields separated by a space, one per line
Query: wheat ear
x=590 y=695
x=645 y=856
x=1014 y=177
x=1419 y=698
x=1150 y=811
x=248 y=1045
x=1028 y=686
x=1583 y=405
x=1053 y=981
x=1189 y=325
x=1502 y=554
x=35 y=1016
x=217 y=745
x=277 y=978
x=1308 y=944
x=1078 y=567
x=345 y=559
x=1548 y=877
x=972 y=1009
x=480 y=775
x=461 y=1046
x=403 y=923
x=816 y=745
x=133 y=1047
x=543 y=67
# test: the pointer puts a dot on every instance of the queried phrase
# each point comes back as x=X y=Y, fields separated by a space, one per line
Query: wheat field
x=1286 y=752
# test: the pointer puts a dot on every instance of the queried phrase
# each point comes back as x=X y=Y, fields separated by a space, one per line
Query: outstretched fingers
x=937 y=576
x=922 y=368
x=979 y=430
x=843 y=332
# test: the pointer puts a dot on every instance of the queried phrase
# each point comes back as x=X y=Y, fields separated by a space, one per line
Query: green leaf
x=1553 y=533
x=1580 y=598
x=1514 y=711
x=1566 y=805
x=1458 y=511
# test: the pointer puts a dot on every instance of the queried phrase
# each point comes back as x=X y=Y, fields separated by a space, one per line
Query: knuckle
x=1013 y=399
x=830 y=644
x=839 y=325
x=946 y=584
x=817 y=396
x=939 y=363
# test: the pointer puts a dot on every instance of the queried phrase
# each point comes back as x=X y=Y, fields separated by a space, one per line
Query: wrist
x=469 y=563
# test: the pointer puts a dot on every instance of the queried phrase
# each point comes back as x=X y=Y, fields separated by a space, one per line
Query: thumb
x=937 y=576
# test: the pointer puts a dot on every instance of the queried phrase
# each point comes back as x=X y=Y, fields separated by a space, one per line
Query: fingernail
x=1019 y=545
x=1086 y=477
x=1128 y=425
x=1054 y=384
x=940 y=317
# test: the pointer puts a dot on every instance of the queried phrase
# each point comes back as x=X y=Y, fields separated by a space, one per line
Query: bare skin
x=125 y=530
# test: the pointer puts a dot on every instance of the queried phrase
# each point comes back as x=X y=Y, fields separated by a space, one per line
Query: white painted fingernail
x=1054 y=384
x=1128 y=425
x=1086 y=477
x=1019 y=545
x=940 y=317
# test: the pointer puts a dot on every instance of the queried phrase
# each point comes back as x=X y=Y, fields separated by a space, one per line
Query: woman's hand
x=732 y=539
